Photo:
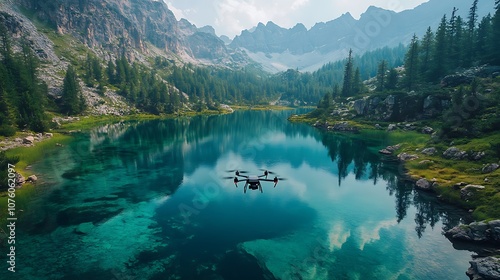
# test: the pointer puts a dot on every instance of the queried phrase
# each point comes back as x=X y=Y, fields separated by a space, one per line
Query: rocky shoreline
x=485 y=234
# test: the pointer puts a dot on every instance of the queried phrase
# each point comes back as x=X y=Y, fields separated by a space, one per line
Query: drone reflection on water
x=147 y=200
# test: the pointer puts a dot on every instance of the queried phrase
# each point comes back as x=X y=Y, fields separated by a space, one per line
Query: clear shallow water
x=147 y=201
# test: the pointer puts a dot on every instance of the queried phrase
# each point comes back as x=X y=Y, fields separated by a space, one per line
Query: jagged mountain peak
x=328 y=41
x=133 y=27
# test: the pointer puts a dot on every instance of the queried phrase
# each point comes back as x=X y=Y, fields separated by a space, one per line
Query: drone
x=252 y=182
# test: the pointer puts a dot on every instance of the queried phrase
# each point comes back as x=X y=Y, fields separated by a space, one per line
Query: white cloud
x=177 y=12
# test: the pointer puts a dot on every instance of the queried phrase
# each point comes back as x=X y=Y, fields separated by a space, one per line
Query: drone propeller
x=229 y=177
x=239 y=171
x=275 y=180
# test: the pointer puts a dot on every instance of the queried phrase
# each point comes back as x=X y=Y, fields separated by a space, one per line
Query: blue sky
x=230 y=17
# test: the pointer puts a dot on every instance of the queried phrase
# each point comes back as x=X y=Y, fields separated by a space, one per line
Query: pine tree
x=457 y=49
x=425 y=54
x=348 y=76
x=411 y=64
x=440 y=55
x=392 y=79
x=494 y=49
x=381 y=75
x=481 y=45
x=357 y=83
x=72 y=98
x=471 y=34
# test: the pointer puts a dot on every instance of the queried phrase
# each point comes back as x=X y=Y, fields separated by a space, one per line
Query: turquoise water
x=147 y=200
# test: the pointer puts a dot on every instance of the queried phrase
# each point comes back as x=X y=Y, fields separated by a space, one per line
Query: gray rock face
x=359 y=106
x=113 y=25
x=454 y=153
x=490 y=168
x=484 y=268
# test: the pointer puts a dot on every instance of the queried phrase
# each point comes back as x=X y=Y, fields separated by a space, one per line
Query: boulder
x=344 y=127
x=407 y=157
x=49 y=135
x=458 y=186
x=484 y=268
x=385 y=152
x=423 y=184
x=377 y=126
x=468 y=191
x=29 y=140
x=392 y=127
x=477 y=155
x=490 y=168
x=488 y=232
x=429 y=151
x=427 y=130
x=456 y=80
x=20 y=179
x=84 y=228
x=454 y=153
x=32 y=179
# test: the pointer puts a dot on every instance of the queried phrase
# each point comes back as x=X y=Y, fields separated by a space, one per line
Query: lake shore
x=422 y=157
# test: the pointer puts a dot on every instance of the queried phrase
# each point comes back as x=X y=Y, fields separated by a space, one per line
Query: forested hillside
x=161 y=86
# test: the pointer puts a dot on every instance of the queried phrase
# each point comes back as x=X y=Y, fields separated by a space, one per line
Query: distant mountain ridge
x=278 y=48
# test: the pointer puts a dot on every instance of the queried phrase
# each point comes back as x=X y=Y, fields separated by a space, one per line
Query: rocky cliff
x=130 y=27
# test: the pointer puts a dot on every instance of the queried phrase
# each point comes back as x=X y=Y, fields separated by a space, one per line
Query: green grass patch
x=29 y=155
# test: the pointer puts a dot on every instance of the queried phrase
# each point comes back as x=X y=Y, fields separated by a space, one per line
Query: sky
x=230 y=17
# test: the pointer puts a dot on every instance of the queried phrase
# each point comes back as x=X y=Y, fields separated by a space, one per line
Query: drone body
x=253 y=182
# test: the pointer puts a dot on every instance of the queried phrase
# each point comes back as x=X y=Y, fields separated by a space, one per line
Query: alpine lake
x=148 y=200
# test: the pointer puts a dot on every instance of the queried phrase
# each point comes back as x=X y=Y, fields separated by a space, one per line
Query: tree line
x=456 y=44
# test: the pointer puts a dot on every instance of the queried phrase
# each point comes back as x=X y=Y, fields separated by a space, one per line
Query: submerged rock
x=84 y=228
x=484 y=268
x=390 y=149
